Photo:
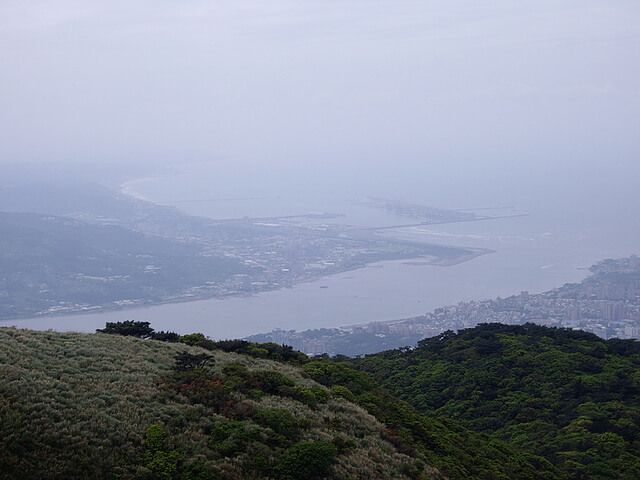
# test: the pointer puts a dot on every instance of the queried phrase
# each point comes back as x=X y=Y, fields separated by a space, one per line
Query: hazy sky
x=501 y=83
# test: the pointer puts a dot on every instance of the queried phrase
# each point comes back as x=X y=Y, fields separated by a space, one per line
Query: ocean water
x=572 y=222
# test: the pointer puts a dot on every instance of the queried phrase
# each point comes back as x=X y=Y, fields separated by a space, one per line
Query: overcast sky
x=496 y=82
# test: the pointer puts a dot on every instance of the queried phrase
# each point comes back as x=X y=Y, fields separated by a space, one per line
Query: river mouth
x=537 y=252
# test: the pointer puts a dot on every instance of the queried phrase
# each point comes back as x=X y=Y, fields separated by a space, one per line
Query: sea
x=553 y=226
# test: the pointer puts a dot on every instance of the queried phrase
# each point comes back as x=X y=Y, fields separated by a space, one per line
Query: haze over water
x=286 y=107
x=550 y=246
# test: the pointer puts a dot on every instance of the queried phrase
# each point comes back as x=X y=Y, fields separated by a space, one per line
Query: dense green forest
x=568 y=396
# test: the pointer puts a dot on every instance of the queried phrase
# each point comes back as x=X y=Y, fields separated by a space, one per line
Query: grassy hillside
x=568 y=396
x=101 y=406
x=106 y=406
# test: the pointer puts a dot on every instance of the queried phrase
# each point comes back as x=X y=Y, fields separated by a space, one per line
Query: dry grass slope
x=77 y=406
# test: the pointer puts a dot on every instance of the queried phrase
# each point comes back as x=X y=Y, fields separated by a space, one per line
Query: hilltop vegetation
x=103 y=406
x=98 y=406
x=492 y=402
x=568 y=396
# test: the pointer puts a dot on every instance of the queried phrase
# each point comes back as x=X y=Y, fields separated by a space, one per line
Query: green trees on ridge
x=568 y=396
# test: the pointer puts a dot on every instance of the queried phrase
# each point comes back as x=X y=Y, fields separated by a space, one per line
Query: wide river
x=565 y=232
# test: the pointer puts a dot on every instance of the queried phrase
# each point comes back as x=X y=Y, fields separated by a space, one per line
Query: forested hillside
x=568 y=396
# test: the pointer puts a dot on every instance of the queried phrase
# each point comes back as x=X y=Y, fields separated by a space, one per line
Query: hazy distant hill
x=96 y=203
x=65 y=199
x=51 y=262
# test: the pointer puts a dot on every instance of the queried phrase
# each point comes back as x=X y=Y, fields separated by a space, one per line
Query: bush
x=231 y=438
x=280 y=421
x=171 y=337
x=235 y=369
x=193 y=338
x=161 y=465
x=186 y=361
x=344 y=392
x=344 y=443
x=155 y=438
x=309 y=396
x=231 y=345
x=271 y=380
x=158 y=463
x=203 y=389
x=305 y=461
x=196 y=471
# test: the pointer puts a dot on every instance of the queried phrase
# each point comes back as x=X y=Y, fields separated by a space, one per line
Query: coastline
x=132 y=307
x=434 y=254
x=378 y=289
x=381 y=292
x=444 y=259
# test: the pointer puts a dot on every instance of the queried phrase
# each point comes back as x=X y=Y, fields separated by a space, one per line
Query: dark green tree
x=186 y=361
x=171 y=337
x=129 y=328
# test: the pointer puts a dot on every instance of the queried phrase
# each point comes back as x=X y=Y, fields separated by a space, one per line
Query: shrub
x=200 y=389
x=343 y=443
x=196 y=471
x=270 y=350
x=231 y=438
x=158 y=463
x=344 y=392
x=171 y=337
x=258 y=464
x=235 y=369
x=305 y=461
x=231 y=345
x=193 y=338
x=161 y=465
x=155 y=438
x=186 y=361
x=271 y=380
x=309 y=396
x=280 y=421
x=281 y=353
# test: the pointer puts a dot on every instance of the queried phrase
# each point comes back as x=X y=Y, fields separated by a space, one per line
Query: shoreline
x=108 y=308
x=252 y=314
x=428 y=259
x=434 y=254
